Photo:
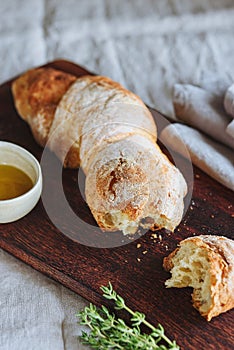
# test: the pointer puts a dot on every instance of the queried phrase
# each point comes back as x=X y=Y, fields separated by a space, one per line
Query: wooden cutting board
x=136 y=273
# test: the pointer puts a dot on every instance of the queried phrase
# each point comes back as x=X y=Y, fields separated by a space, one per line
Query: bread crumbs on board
x=156 y=238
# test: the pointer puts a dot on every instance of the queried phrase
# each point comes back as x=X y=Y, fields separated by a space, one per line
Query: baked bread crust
x=36 y=95
x=134 y=180
x=219 y=252
x=95 y=112
x=95 y=123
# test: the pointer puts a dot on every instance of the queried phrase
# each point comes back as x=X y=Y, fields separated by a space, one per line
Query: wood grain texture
x=138 y=277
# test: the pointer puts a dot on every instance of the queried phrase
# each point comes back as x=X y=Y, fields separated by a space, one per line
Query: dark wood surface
x=138 y=277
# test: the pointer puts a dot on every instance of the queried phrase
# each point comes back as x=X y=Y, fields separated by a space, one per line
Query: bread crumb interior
x=191 y=268
x=122 y=222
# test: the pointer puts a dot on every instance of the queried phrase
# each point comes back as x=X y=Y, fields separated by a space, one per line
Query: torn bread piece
x=205 y=263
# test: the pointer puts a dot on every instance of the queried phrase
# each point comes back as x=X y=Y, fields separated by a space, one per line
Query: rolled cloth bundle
x=95 y=123
x=229 y=107
x=201 y=109
x=210 y=143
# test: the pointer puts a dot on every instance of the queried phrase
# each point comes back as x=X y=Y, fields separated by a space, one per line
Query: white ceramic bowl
x=15 y=208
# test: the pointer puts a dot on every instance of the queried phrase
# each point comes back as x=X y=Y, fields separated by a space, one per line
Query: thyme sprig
x=109 y=332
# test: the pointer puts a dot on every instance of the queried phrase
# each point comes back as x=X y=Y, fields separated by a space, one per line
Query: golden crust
x=220 y=253
x=37 y=94
x=84 y=121
x=168 y=260
x=94 y=104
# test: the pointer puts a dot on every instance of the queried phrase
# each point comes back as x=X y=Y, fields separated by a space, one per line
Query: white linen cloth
x=212 y=157
x=229 y=108
x=148 y=46
x=203 y=110
x=211 y=145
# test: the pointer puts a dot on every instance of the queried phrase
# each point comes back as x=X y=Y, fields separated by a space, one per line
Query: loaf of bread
x=95 y=123
x=205 y=263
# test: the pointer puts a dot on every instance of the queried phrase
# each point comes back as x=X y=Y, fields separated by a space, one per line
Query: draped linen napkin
x=208 y=111
x=229 y=107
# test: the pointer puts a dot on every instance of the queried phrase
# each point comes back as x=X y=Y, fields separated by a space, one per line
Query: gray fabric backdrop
x=147 y=46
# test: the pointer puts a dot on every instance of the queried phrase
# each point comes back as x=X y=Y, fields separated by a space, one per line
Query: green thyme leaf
x=108 y=332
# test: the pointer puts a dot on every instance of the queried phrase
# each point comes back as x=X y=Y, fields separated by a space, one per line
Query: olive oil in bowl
x=13 y=182
x=20 y=182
